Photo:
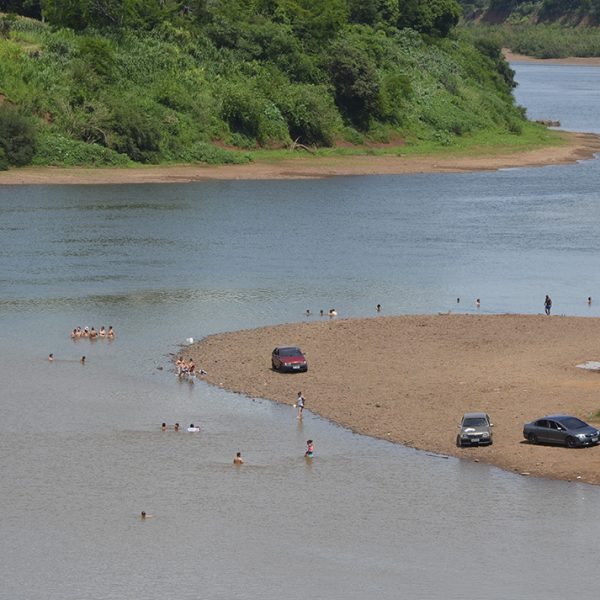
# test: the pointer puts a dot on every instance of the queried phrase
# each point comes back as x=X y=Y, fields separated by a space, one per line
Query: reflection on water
x=81 y=451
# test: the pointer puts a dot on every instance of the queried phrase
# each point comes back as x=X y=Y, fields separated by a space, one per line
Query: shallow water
x=81 y=451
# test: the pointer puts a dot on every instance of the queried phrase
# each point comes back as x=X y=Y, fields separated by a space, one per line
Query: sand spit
x=408 y=379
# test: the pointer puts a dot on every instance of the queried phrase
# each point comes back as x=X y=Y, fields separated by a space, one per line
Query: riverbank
x=409 y=379
x=592 y=61
x=571 y=147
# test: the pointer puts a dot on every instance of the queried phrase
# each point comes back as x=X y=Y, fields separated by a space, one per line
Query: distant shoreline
x=409 y=379
x=592 y=61
x=575 y=146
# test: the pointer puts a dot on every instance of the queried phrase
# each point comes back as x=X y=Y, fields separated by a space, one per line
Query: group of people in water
x=92 y=334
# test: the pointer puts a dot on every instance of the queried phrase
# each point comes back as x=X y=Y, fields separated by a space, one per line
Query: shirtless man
x=238 y=460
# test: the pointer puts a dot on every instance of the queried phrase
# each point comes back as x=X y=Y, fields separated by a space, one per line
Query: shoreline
x=576 y=146
x=434 y=368
x=590 y=61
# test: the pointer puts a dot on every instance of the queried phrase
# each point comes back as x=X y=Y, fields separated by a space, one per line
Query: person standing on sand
x=300 y=404
x=547 y=304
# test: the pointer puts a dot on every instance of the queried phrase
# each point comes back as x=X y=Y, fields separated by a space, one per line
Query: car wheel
x=532 y=438
x=570 y=442
x=273 y=366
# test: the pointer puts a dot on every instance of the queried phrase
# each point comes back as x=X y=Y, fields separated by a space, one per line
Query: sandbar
x=409 y=379
x=575 y=147
x=590 y=61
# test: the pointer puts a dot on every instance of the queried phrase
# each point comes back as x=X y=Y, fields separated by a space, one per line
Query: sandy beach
x=409 y=379
x=577 y=146
x=592 y=61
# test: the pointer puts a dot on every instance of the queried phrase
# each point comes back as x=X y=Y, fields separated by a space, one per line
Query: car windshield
x=290 y=352
x=475 y=422
x=572 y=423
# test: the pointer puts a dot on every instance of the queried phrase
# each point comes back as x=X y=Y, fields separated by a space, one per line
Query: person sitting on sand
x=238 y=460
x=193 y=428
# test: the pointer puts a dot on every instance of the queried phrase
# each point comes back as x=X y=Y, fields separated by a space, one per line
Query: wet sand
x=409 y=379
x=577 y=146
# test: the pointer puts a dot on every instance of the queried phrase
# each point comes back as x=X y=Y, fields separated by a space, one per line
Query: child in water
x=309 y=449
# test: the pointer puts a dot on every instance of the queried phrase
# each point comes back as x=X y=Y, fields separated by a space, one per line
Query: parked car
x=288 y=358
x=475 y=430
x=561 y=429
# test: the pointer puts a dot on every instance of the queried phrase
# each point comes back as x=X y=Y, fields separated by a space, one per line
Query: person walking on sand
x=300 y=404
x=238 y=460
x=547 y=304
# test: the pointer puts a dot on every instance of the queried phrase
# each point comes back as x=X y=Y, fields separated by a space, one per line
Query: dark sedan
x=288 y=358
x=561 y=429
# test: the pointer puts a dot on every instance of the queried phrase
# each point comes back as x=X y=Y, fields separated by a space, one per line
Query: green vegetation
x=139 y=81
x=539 y=28
x=541 y=41
x=572 y=12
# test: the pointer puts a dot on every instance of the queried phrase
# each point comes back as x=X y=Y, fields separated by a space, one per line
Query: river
x=81 y=450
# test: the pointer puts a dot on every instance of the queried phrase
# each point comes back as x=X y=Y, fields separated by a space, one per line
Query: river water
x=81 y=451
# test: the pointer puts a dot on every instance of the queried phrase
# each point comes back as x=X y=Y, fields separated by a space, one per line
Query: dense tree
x=434 y=17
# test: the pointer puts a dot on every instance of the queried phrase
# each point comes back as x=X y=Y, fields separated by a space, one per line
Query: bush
x=3 y=160
x=17 y=136
x=252 y=115
x=310 y=114
x=56 y=149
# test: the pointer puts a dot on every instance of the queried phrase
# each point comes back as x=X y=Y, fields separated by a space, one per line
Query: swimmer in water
x=321 y=312
x=164 y=426
x=332 y=312
x=176 y=427
x=145 y=516
x=50 y=357
x=111 y=333
x=238 y=460
x=307 y=313
x=82 y=360
x=478 y=303
x=309 y=449
x=589 y=300
x=193 y=428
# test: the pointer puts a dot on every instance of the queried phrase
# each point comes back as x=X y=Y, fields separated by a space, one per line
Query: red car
x=288 y=358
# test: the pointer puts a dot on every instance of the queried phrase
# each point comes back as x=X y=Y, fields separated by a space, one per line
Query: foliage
x=540 y=41
x=17 y=137
x=108 y=81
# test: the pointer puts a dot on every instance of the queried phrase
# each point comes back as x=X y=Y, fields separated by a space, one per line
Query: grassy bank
x=541 y=40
